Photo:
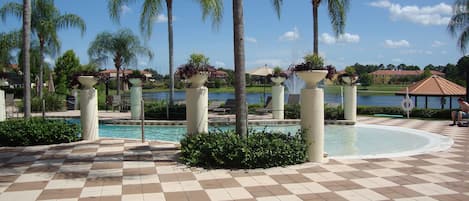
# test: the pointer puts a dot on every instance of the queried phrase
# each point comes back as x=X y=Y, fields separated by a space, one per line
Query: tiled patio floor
x=112 y=169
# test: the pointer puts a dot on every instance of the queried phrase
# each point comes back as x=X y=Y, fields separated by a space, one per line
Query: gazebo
x=434 y=86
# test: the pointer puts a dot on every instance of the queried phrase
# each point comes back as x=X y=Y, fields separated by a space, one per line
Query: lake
x=371 y=100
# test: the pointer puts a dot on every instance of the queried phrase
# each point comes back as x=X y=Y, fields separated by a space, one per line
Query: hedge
x=229 y=150
x=159 y=111
x=37 y=131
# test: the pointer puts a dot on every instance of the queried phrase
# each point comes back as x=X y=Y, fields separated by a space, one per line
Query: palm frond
x=277 y=6
x=338 y=13
x=115 y=8
x=11 y=8
x=71 y=20
x=214 y=9
x=150 y=10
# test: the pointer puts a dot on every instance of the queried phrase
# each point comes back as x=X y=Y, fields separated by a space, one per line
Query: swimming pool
x=359 y=141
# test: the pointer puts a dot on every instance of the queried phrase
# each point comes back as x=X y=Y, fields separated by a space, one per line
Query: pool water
x=366 y=141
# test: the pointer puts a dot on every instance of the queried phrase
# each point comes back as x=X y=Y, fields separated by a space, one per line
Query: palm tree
x=8 y=42
x=239 y=59
x=152 y=8
x=459 y=24
x=337 y=13
x=26 y=68
x=123 y=47
x=46 y=20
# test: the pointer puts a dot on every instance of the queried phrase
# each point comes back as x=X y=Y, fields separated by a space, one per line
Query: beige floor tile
x=255 y=181
x=435 y=178
x=40 y=176
x=361 y=195
x=384 y=172
x=66 y=183
x=430 y=189
x=422 y=198
x=374 y=182
x=438 y=169
x=20 y=195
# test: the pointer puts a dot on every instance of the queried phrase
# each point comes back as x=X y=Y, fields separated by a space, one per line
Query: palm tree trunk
x=315 y=26
x=26 y=59
x=41 y=72
x=169 y=6
x=239 y=57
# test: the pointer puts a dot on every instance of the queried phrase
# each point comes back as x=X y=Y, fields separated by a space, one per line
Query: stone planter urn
x=135 y=98
x=199 y=79
x=278 y=94
x=312 y=113
x=277 y=80
x=87 y=81
x=350 y=80
x=89 y=108
x=197 y=104
x=312 y=77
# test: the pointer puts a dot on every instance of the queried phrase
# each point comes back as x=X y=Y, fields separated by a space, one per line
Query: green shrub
x=253 y=108
x=417 y=112
x=159 y=111
x=292 y=111
x=229 y=150
x=330 y=113
x=37 y=131
x=54 y=102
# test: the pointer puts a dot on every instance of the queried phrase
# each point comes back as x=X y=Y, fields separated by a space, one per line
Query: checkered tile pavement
x=114 y=169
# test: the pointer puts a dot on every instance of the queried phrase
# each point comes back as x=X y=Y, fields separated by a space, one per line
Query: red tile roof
x=435 y=86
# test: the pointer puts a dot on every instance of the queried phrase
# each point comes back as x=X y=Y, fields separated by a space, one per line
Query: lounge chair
x=214 y=105
x=267 y=106
x=229 y=106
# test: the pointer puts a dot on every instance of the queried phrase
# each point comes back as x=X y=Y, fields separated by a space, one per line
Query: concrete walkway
x=111 y=169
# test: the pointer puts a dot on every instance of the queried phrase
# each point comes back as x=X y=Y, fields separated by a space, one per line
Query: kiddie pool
x=359 y=141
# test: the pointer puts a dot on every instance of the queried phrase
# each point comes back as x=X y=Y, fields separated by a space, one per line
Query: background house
x=399 y=76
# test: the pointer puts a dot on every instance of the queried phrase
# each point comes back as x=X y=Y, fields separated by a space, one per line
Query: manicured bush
x=37 y=131
x=54 y=102
x=292 y=111
x=416 y=113
x=229 y=150
x=159 y=111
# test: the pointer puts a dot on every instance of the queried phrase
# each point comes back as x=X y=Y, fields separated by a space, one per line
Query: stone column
x=350 y=106
x=312 y=113
x=2 y=106
x=136 y=98
x=89 y=108
x=197 y=105
x=278 y=96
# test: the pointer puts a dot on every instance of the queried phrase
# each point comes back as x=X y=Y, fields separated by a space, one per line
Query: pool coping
x=221 y=122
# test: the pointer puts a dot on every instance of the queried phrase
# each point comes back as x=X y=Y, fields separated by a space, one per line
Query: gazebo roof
x=434 y=86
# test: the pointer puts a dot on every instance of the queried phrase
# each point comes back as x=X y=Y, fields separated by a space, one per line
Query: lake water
x=371 y=100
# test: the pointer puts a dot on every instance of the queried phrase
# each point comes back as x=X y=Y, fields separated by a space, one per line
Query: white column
x=278 y=92
x=135 y=99
x=312 y=122
x=2 y=106
x=197 y=110
x=89 y=108
x=350 y=107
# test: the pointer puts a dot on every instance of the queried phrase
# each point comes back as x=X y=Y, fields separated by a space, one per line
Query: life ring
x=407 y=104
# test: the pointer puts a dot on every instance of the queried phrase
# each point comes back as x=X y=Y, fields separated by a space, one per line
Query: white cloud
x=162 y=18
x=413 y=51
x=397 y=60
x=344 y=38
x=220 y=64
x=251 y=39
x=381 y=4
x=290 y=35
x=437 y=43
x=125 y=9
x=396 y=44
x=438 y=14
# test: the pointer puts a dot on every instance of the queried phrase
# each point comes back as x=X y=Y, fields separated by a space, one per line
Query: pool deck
x=114 y=169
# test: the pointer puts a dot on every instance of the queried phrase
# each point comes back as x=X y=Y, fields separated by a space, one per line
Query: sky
x=412 y=32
